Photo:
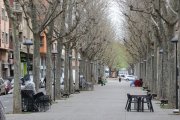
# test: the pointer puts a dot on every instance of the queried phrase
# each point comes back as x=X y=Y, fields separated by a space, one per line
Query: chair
x=42 y=101
x=28 y=103
x=154 y=95
x=163 y=101
x=147 y=100
x=131 y=100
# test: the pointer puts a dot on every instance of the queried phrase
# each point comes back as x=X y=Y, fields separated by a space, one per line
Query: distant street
x=104 y=103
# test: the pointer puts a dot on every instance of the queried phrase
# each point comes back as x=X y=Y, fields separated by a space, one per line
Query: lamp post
x=141 y=69
x=152 y=71
x=91 y=71
x=54 y=57
x=28 y=43
x=80 y=71
x=175 y=41
x=145 y=69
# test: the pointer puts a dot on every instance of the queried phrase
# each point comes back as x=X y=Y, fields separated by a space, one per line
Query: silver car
x=2 y=87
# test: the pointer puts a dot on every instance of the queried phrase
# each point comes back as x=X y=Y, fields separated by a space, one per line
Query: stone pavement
x=104 y=103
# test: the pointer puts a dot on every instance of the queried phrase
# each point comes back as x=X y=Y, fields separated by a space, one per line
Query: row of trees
x=150 y=27
x=77 y=25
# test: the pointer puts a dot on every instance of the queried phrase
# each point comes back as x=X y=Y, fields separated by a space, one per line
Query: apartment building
x=4 y=42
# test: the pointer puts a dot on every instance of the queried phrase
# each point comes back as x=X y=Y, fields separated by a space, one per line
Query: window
x=1 y=81
x=42 y=75
x=42 y=41
x=4 y=16
x=55 y=46
x=41 y=61
x=2 y=37
x=6 y=38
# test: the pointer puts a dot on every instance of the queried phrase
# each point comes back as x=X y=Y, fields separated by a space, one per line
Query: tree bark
x=49 y=68
x=77 y=70
x=66 y=70
x=49 y=57
x=16 y=48
x=36 y=60
x=59 y=69
x=71 y=82
x=36 y=53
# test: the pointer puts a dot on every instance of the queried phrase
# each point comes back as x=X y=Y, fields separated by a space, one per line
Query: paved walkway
x=104 y=103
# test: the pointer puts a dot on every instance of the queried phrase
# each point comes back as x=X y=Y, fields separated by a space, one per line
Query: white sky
x=117 y=19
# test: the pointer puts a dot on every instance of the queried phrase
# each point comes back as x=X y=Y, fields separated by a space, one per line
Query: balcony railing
x=17 y=7
x=0 y=42
x=10 y=45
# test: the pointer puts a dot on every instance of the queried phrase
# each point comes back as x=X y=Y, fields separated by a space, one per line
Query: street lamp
x=86 y=64
x=80 y=71
x=91 y=70
x=145 y=68
x=54 y=57
x=141 y=69
x=175 y=41
x=28 y=43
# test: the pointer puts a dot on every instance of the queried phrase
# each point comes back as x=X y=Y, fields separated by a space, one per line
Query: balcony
x=17 y=7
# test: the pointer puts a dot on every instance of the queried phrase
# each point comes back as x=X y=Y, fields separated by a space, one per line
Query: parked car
x=130 y=77
x=122 y=76
x=2 y=87
x=22 y=81
x=8 y=85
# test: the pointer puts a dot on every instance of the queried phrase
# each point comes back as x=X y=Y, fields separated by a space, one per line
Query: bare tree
x=16 y=49
x=40 y=14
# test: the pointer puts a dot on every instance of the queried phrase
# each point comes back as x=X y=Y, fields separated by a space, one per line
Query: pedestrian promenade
x=104 y=103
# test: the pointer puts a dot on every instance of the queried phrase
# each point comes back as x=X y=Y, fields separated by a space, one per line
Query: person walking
x=119 y=79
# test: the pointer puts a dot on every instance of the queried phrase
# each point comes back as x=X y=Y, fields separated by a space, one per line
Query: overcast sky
x=117 y=19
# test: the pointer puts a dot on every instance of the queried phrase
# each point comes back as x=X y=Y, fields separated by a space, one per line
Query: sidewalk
x=104 y=103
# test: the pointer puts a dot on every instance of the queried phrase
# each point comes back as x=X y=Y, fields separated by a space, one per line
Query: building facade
x=4 y=42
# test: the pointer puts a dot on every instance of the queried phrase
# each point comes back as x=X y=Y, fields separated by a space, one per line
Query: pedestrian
x=119 y=79
x=45 y=82
x=132 y=83
x=29 y=85
x=141 y=82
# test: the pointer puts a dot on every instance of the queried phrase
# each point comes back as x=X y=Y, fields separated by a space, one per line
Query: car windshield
x=1 y=81
x=129 y=76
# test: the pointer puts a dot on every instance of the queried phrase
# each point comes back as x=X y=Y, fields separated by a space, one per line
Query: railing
x=17 y=7
x=10 y=45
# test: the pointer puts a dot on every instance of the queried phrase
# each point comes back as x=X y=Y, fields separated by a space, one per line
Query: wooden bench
x=43 y=102
x=154 y=95
x=77 y=91
x=148 y=90
x=65 y=95
x=27 y=100
x=145 y=88
x=163 y=101
x=34 y=102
